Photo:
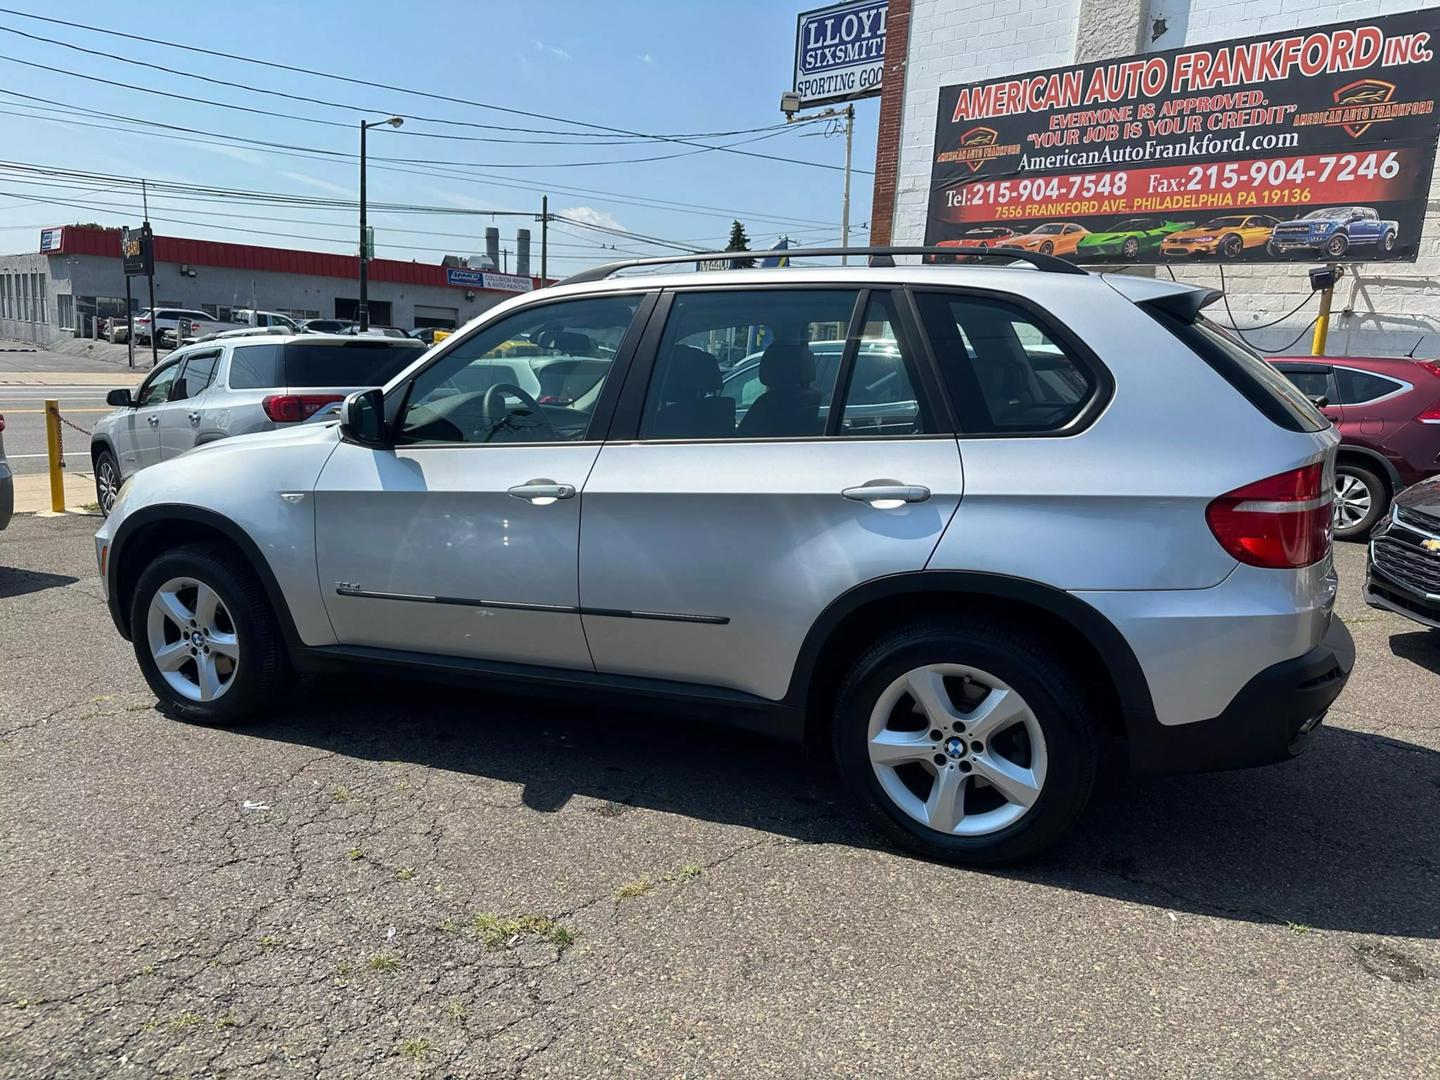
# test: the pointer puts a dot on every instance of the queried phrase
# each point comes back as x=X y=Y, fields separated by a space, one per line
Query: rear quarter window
x=1275 y=396
x=354 y=363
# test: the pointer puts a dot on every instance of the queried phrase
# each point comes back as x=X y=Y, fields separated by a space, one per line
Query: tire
x=989 y=829
x=1337 y=245
x=1130 y=248
x=1231 y=247
x=1272 y=250
x=1387 y=243
x=1361 y=500
x=107 y=481
x=1047 y=248
x=243 y=623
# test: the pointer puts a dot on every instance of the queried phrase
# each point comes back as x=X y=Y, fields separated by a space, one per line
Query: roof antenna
x=1411 y=354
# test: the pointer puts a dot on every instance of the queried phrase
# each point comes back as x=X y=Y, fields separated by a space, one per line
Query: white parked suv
x=961 y=596
x=221 y=388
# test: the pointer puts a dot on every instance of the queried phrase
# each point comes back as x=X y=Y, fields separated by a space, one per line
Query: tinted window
x=1313 y=382
x=780 y=386
x=353 y=363
x=156 y=390
x=880 y=398
x=1358 y=387
x=492 y=386
x=200 y=372
x=255 y=366
x=1280 y=400
x=1003 y=371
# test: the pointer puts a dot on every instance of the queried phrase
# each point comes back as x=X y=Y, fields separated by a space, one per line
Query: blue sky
x=662 y=66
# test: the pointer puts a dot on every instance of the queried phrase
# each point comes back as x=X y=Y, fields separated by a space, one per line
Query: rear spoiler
x=1172 y=297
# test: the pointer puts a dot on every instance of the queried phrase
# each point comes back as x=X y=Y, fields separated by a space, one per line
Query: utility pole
x=362 y=312
x=544 y=240
x=148 y=237
x=790 y=106
x=505 y=260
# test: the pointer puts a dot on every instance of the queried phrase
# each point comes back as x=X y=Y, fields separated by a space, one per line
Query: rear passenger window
x=1004 y=373
x=200 y=373
x=1358 y=387
x=255 y=367
x=1313 y=380
x=747 y=364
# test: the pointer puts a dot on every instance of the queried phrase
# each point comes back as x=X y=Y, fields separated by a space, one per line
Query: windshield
x=982 y=234
x=1048 y=230
x=1332 y=213
x=1227 y=223
x=1135 y=225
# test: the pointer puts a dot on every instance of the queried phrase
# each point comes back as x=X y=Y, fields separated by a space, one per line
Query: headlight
x=1204 y=239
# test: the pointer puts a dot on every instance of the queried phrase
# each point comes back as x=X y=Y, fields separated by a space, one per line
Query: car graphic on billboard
x=1228 y=237
x=1333 y=231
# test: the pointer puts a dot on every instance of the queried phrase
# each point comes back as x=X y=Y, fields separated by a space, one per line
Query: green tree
x=739 y=242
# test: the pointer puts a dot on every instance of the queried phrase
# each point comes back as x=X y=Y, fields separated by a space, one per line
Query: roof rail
x=878 y=256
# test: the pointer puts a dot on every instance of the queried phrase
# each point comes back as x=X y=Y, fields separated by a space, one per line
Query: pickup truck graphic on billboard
x=1313 y=144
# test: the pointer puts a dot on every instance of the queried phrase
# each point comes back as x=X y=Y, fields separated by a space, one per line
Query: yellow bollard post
x=1322 y=324
x=56 y=453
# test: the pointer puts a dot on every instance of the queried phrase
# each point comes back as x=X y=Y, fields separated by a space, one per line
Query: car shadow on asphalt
x=15 y=582
x=1420 y=647
x=1342 y=838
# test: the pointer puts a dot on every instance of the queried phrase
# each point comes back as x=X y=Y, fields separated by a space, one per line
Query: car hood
x=1106 y=237
x=286 y=436
x=1192 y=234
x=1423 y=498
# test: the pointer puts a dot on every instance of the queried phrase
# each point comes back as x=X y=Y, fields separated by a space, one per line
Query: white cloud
x=553 y=50
x=591 y=216
x=239 y=153
x=316 y=182
x=646 y=58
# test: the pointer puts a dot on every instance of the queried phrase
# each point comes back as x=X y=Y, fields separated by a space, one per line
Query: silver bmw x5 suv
x=1028 y=507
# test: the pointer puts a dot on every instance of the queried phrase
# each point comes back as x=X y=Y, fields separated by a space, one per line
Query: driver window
x=156 y=390
x=535 y=376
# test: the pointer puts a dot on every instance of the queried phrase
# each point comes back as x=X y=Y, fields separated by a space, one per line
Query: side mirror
x=1319 y=400
x=120 y=399
x=362 y=417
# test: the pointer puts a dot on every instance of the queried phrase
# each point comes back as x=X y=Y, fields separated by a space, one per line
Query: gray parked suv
x=223 y=387
x=961 y=596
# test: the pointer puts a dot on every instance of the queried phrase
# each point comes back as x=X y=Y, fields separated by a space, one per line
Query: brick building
x=1384 y=309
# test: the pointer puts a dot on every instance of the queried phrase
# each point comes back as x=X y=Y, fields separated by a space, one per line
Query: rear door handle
x=194 y=418
x=878 y=493
x=542 y=491
x=153 y=420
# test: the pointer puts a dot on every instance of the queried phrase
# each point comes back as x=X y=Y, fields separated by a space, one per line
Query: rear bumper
x=1268 y=721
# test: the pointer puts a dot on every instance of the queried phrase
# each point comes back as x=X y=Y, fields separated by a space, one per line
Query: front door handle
x=887 y=494
x=153 y=420
x=542 y=491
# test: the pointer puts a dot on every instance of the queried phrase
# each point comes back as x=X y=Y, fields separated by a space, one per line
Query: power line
x=414 y=134
x=585 y=139
x=416 y=93
x=332 y=156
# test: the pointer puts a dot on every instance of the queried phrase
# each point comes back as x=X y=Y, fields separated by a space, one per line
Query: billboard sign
x=840 y=52
x=462 y=277
x=137 y=249
x=51 y=239
x=1314 y=144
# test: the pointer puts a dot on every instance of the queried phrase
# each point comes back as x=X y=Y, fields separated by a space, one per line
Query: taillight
x=292 y=408
x=1432 y=366
x=1430 y=415
x=1281 y=523
x=2 y=423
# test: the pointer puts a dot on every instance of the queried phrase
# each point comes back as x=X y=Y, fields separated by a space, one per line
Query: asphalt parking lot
x=390 y=879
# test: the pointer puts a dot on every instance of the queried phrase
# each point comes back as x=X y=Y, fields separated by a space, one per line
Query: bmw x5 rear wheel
x=967 y=741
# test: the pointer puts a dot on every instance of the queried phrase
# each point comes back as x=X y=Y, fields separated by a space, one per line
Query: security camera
x=789 y=103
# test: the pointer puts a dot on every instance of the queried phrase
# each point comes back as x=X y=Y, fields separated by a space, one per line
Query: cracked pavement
x=298 y=898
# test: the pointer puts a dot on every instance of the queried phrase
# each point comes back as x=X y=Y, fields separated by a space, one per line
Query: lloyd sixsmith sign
x=840 y=52
x=1305 y=144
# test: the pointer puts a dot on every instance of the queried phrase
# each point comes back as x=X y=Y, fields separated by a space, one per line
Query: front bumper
x=1298 y=243
x=1184 y=247
x=1268 y=721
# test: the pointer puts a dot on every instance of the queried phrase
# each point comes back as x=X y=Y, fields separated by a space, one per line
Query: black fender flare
x=170 y=513
x=1131 y=686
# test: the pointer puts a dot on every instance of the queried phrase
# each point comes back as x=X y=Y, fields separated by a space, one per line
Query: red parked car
x=1387 y=410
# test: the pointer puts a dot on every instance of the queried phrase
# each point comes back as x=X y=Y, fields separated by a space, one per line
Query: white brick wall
x=951 y=42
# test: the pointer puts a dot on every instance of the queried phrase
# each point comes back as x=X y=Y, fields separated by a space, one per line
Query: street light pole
x=363 y=310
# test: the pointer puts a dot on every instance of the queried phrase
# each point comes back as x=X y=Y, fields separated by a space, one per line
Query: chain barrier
x=60 y=434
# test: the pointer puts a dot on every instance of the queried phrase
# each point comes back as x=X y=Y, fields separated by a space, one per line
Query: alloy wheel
x=957 y=750
x=1352 y=501
x=192 y=639
x=108 y=484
